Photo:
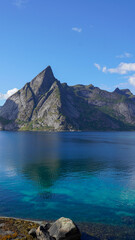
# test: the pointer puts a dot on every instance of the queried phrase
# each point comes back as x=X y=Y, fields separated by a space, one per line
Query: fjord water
x=87 y=176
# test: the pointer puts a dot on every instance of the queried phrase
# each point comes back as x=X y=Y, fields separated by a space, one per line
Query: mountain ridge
x=49 y=105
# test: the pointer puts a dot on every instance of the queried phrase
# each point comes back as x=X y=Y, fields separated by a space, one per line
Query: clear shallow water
x=89 y=177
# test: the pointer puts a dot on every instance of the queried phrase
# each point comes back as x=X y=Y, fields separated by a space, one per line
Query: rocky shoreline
x=62 y=229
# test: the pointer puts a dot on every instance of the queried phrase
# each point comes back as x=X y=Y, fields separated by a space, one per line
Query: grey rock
x=2 y=225
x=64 y=229
x=48 y=105
x=47 y=226
x=32 y=232
x=42 y=234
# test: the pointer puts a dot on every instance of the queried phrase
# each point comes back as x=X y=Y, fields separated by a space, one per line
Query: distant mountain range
x=48 y=105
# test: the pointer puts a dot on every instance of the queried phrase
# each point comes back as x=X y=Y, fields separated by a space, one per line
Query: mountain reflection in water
x=86 y=176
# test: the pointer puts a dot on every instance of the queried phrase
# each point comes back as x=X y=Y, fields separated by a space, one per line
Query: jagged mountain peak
x=43 y=81
x=117 y=90
x=46 y=104
x=47 y=70
x=125 y=92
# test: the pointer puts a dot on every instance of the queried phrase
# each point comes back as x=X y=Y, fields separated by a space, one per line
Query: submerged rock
x=128 y=220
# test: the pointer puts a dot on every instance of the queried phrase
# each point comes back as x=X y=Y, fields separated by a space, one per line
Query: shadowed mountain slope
x=46 y=104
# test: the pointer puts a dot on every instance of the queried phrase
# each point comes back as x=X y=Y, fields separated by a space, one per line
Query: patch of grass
x=9 y=236
x=19 y=229
x=31 y=126
x=20 y=122
x=108 y=110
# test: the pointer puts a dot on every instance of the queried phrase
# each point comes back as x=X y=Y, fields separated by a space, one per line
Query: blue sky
x=84 y=41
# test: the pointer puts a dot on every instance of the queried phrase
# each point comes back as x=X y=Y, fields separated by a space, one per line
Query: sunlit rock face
x=46 y=104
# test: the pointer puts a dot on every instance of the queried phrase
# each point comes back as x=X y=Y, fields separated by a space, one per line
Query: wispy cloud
x=97 y=66
x=8 y=94
x=20 y=3
x=122 y=68
x=132 y=80
x=104 y=69
x=125 y=55
x=76 y=29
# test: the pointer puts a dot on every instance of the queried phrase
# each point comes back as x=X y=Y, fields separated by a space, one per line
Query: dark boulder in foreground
x=32 y=232
x=62 y=229
x=43 y=234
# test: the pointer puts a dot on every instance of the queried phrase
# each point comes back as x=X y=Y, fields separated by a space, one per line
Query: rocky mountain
x=46 y=104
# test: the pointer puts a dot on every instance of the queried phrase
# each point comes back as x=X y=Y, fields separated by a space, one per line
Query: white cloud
x=20 y=3
x=125 y=55
x=97 y=66
x=132 y=80
x=122 y=68
x=79 y=30
x=8 y=94
x=104 y=69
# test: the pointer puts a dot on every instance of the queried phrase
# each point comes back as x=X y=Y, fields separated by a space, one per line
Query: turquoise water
x=87 y=176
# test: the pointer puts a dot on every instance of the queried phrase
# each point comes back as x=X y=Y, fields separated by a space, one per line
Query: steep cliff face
x=46 y=104
x=38 y=105
x=22 y=104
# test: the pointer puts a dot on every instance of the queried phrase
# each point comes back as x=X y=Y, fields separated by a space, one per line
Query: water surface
x=87 y=176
